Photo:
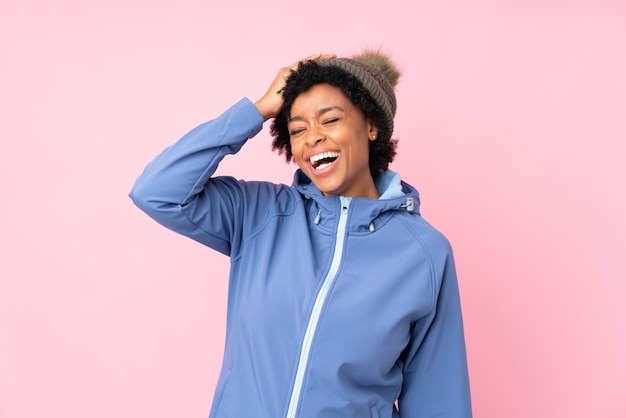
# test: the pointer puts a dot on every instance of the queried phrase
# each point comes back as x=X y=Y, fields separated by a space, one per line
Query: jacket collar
x=365 y=213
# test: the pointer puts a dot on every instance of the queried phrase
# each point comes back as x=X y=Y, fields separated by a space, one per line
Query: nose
x=314 y=136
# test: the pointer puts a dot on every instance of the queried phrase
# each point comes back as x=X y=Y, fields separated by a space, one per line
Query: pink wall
x=512 y=122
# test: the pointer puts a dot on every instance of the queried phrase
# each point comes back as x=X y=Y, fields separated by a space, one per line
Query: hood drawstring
x=318 y=218
x=409 y=205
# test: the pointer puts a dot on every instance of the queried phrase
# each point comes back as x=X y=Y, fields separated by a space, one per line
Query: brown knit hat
x=378 y=75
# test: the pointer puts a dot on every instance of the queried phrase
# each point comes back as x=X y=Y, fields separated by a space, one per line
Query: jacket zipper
x=317 y=308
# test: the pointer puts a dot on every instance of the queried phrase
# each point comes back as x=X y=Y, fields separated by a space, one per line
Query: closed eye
x=330 y=121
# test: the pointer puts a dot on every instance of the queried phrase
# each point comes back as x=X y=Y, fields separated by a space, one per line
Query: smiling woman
x=343 y=300
x=330 y=142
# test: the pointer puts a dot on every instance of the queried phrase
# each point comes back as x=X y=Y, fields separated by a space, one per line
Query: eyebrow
x=319 y=113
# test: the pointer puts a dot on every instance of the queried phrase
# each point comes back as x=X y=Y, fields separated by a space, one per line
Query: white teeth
x=323 y=155
x=323 y=165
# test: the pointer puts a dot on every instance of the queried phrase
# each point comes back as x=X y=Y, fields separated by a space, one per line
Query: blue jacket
x=337 y=306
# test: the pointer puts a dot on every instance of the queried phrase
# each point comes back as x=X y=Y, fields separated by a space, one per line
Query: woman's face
x=329 y=139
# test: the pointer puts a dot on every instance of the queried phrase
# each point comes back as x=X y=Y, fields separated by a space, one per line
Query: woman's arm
x=436 y=381
x=176 y=188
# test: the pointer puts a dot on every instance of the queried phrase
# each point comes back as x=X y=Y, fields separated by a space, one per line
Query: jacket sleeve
x=176 y=188
x=436 y=381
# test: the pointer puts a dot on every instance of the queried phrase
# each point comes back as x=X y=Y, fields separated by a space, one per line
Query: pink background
x=512 y=123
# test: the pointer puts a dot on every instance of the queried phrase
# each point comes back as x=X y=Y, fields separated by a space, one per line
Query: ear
x=372 y=133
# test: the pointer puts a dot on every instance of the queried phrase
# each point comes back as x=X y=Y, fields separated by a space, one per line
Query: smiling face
x=329 y=139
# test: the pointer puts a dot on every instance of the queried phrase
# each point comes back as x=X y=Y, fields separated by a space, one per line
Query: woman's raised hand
x=272 y=101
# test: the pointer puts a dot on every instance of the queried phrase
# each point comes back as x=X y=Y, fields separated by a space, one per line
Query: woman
x=343 y=300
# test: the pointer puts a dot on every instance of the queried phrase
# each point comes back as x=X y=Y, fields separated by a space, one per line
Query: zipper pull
x=345 y=203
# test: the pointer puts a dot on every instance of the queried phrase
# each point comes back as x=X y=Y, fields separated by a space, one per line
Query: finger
x=313 y=57
x=319 y=56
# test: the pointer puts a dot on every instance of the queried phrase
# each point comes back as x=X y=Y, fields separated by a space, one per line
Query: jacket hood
x=367 y=214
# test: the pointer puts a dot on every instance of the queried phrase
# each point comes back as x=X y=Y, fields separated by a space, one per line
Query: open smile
x=323 y=160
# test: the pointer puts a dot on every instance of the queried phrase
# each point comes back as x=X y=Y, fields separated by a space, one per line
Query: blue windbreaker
x=337 y=307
